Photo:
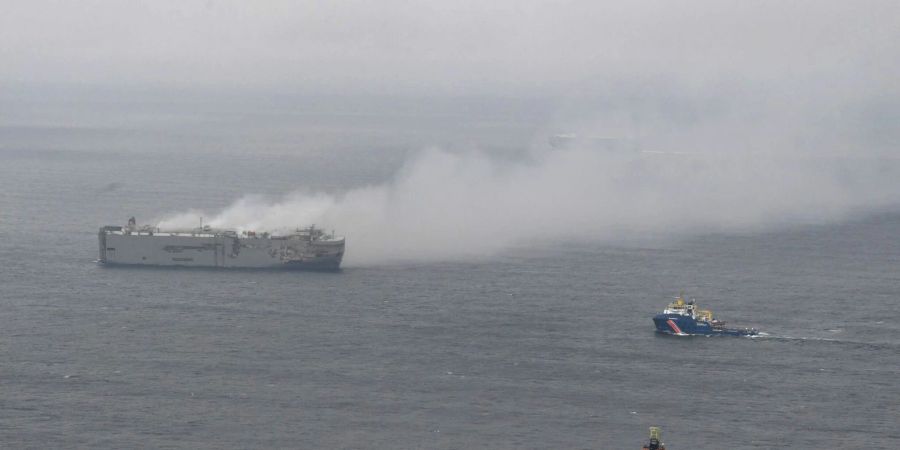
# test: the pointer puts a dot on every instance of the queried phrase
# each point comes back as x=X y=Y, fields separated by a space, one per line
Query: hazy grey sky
x=446 y=46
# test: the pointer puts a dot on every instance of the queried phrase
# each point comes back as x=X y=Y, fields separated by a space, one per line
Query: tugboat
x=654 y=443
x=683 y=318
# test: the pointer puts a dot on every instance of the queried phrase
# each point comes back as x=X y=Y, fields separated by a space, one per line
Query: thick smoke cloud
x=445 y=205
x=729 y=165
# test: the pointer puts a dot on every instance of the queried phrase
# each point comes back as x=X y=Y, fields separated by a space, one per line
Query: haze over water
x=497 y=290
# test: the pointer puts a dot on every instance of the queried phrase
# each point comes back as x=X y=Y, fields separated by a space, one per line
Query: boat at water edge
x=683 y=318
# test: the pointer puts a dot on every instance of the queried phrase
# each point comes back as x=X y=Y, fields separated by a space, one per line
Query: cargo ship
x=683 y=318
x=307 y=249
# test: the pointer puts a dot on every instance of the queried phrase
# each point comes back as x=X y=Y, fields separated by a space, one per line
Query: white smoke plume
x=451 y=205
x=687 y=158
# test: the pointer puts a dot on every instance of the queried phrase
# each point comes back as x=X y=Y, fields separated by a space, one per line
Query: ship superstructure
x=654 y=443
x=307 y=248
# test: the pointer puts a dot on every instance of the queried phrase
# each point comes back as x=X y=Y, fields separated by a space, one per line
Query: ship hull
x=217 y=251
x=680 y=325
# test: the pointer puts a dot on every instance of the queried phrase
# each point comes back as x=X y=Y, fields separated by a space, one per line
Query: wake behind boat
x=683 y=318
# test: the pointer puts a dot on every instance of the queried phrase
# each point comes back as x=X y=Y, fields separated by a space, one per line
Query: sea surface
x=540 y=346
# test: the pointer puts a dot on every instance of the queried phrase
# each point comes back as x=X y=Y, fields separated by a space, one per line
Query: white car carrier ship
x=308 y=248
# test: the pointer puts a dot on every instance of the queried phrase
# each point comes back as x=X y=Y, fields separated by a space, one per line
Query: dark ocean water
x=546 y=346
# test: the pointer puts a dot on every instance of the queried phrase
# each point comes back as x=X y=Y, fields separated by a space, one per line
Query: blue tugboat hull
x=681 y=325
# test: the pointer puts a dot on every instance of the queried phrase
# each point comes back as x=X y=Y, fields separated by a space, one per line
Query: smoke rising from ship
x=735 y=169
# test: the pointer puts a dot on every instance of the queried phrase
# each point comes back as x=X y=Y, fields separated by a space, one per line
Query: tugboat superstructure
x=654 y=443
